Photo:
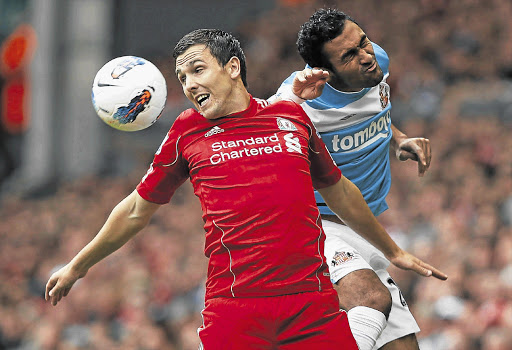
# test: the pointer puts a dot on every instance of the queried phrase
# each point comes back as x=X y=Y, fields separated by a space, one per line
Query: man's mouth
x=372 y=67
x=202 y=99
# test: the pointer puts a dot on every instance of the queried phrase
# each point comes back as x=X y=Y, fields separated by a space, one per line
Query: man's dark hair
x=323 y=26
x=221 y=44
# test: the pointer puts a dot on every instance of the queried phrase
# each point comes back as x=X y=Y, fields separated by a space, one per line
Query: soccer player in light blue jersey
x=352 y=115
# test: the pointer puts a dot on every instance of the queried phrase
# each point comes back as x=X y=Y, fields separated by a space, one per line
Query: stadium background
x=62 y=170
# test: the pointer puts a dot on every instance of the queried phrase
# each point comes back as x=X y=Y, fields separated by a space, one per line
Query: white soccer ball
x=129 y=93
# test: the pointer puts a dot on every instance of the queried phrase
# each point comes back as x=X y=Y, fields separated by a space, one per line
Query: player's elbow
x=138 y=218
x=133 y=212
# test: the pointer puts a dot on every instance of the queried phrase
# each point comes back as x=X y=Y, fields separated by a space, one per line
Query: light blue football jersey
x=356 y=128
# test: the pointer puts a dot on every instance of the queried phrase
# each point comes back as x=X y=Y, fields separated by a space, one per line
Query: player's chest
x=247 y=141
x=334 y=112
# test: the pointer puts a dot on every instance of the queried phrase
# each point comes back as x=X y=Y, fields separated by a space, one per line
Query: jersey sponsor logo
x=213 y=131
x=292 y=143
x=376 y=130
x=384 y=94
x=285 y=124
x=341 y=257
x=224 y=150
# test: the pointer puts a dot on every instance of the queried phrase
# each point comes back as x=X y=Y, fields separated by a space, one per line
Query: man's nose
x=191 y=84
x=365 y=57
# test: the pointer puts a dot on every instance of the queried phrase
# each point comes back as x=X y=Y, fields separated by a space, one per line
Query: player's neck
x=239 y=100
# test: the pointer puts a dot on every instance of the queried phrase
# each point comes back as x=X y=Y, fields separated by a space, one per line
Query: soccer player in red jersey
x=253 y=167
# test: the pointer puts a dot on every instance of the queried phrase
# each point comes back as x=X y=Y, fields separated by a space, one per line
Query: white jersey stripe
x=320 y=252
x=201 y=347
x=230 y=259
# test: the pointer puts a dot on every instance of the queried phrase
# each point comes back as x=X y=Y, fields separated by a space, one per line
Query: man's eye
x=348 y=57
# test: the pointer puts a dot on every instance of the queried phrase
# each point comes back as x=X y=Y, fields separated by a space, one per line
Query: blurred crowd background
x=451 y=81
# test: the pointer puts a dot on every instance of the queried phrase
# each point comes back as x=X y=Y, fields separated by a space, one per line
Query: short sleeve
x=167 y=172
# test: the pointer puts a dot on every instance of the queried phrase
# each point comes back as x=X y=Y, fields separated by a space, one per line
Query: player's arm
x=417 y=148
x=345 y=199
x=130 y=216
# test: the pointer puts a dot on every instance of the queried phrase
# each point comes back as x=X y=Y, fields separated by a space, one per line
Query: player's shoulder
x=286 y=109
x=185 y=124
x=289 y=80
x=189 y=119
x=264 y=107
x=283 y=106
x=188 y=123
x=188 y=115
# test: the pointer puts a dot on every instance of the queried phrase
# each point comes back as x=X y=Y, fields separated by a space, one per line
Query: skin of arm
x=130 y=216
x=346 y=201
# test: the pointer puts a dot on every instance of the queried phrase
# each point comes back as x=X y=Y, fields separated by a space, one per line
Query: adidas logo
x=213 y=131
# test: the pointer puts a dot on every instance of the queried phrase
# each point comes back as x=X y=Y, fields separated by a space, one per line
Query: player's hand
x=309 y=83
x=60 y=284
x=407 y=261
x=417 y=149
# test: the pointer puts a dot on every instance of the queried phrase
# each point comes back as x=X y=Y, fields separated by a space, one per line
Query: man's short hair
x=323 y=26
x=222 y=45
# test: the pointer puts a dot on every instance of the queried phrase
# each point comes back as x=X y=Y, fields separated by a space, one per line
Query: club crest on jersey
x=384 y=94
x=341 y=257
x=285 y=124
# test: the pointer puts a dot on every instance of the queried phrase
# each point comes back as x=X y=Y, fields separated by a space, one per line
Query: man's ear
x=233 y=67
x=332 y=76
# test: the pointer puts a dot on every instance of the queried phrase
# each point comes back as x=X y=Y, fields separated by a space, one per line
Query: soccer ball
x=129 y=93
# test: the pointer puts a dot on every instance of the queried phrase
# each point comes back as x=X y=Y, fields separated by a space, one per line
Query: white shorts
x=346 y=252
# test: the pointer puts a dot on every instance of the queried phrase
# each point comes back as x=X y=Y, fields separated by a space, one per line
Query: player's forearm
x=113 y=235
x=125 y=221
x=397 y=137
x=345 y=199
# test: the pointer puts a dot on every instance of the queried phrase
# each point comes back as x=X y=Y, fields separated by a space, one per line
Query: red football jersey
x=254 y=173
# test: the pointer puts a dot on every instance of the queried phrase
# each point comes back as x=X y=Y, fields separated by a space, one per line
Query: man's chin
x=373 y=82
x=380 y=76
